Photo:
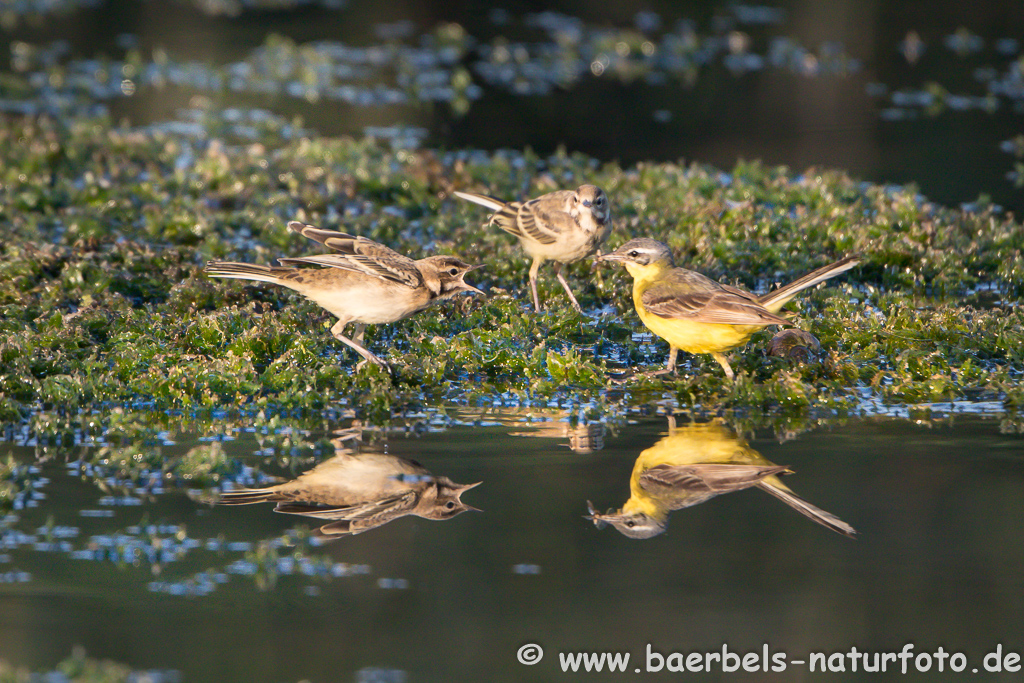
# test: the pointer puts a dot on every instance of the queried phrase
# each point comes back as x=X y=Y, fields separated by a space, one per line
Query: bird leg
x=724 y=362
x=670 y=367
x=533 y=282
x=672 y=353
x=356 y=345
x=561 y=278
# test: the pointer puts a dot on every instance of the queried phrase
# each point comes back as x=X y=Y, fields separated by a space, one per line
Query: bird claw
x=378 y=362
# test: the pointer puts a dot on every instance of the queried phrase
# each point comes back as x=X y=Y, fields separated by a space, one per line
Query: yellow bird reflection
x=356 y=492
x=691 y=465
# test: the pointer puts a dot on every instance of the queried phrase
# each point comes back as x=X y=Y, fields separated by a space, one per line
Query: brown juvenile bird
x=564 y=226
x=366 y=283
x=357 y=492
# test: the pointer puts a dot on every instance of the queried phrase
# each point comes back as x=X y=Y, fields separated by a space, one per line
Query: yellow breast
x=692 y=336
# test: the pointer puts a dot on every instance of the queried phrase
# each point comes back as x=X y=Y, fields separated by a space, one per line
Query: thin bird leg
x=724 y=362
x=561 y=278
x=358 y=336
x=533 y=282
x=672 y=353
x=670 y=368
x=356 y=346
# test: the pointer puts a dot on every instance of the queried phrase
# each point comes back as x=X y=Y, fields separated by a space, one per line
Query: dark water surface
x=892 y=92
x=939 y=559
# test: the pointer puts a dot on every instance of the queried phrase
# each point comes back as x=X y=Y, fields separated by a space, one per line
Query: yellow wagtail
x=366 y=283
x=696 y=314
x=563 y=227
x=355 y=492
x=691 y=465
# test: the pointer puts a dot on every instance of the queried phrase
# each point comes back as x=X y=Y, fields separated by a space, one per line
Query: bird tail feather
x=826 y=519
x=774 y=301
x=246 y=496
x=245 y=271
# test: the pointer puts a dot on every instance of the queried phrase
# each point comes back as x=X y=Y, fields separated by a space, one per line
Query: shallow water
x=151 y=574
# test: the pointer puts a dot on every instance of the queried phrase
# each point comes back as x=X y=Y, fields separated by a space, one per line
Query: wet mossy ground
x=104 y=231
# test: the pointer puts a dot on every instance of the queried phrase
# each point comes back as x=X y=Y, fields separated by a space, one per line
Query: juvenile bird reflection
x=583 y=438
x=361 y=491
x=691 y=465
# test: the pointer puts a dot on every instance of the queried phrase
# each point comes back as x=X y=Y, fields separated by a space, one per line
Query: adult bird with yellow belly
x=696 y=314
x=693 y=464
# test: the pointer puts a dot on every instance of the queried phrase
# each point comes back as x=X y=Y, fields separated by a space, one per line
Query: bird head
x=592 y=199
x=635 y=525
x=447 y=501
x=444 y=275
x=641 y=255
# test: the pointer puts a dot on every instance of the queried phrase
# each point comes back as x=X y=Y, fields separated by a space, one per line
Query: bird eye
x=453 y=272
x=631 y=524
x=449 y=505
x=634 y=253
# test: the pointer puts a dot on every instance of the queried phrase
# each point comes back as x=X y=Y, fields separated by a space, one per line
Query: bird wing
x=717 y=477
x=398 y=268
x=359 y=254
x=681 y=486
x=345 y=243
x=688 y=295
x=544 y=219
x=391 y=505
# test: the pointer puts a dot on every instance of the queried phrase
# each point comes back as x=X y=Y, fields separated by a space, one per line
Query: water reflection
x=361 y=491
x=584 y=437
x=691 y=465
x=583 y=427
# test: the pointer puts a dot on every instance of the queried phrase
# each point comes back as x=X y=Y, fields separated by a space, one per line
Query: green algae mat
x=106 y=229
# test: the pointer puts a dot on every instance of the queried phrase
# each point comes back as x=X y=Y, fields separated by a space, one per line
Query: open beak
x=466 y=287
x=463 y=489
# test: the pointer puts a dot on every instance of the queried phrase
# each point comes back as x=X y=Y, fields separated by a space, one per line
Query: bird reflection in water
x=695 y=463
x=355 y=492
x=584 y=437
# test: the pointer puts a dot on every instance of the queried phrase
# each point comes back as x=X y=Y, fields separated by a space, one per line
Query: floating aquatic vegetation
x=20 y=485
x=627 y=55
x=80 y=668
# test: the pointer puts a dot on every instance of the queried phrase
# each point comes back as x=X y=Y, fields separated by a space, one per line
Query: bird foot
x=378 y=362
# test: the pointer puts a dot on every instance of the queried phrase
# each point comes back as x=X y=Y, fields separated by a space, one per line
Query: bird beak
x=599 y=520
x=587 y=203
x=463 y=489
x=610 y=256
x=466 y=287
